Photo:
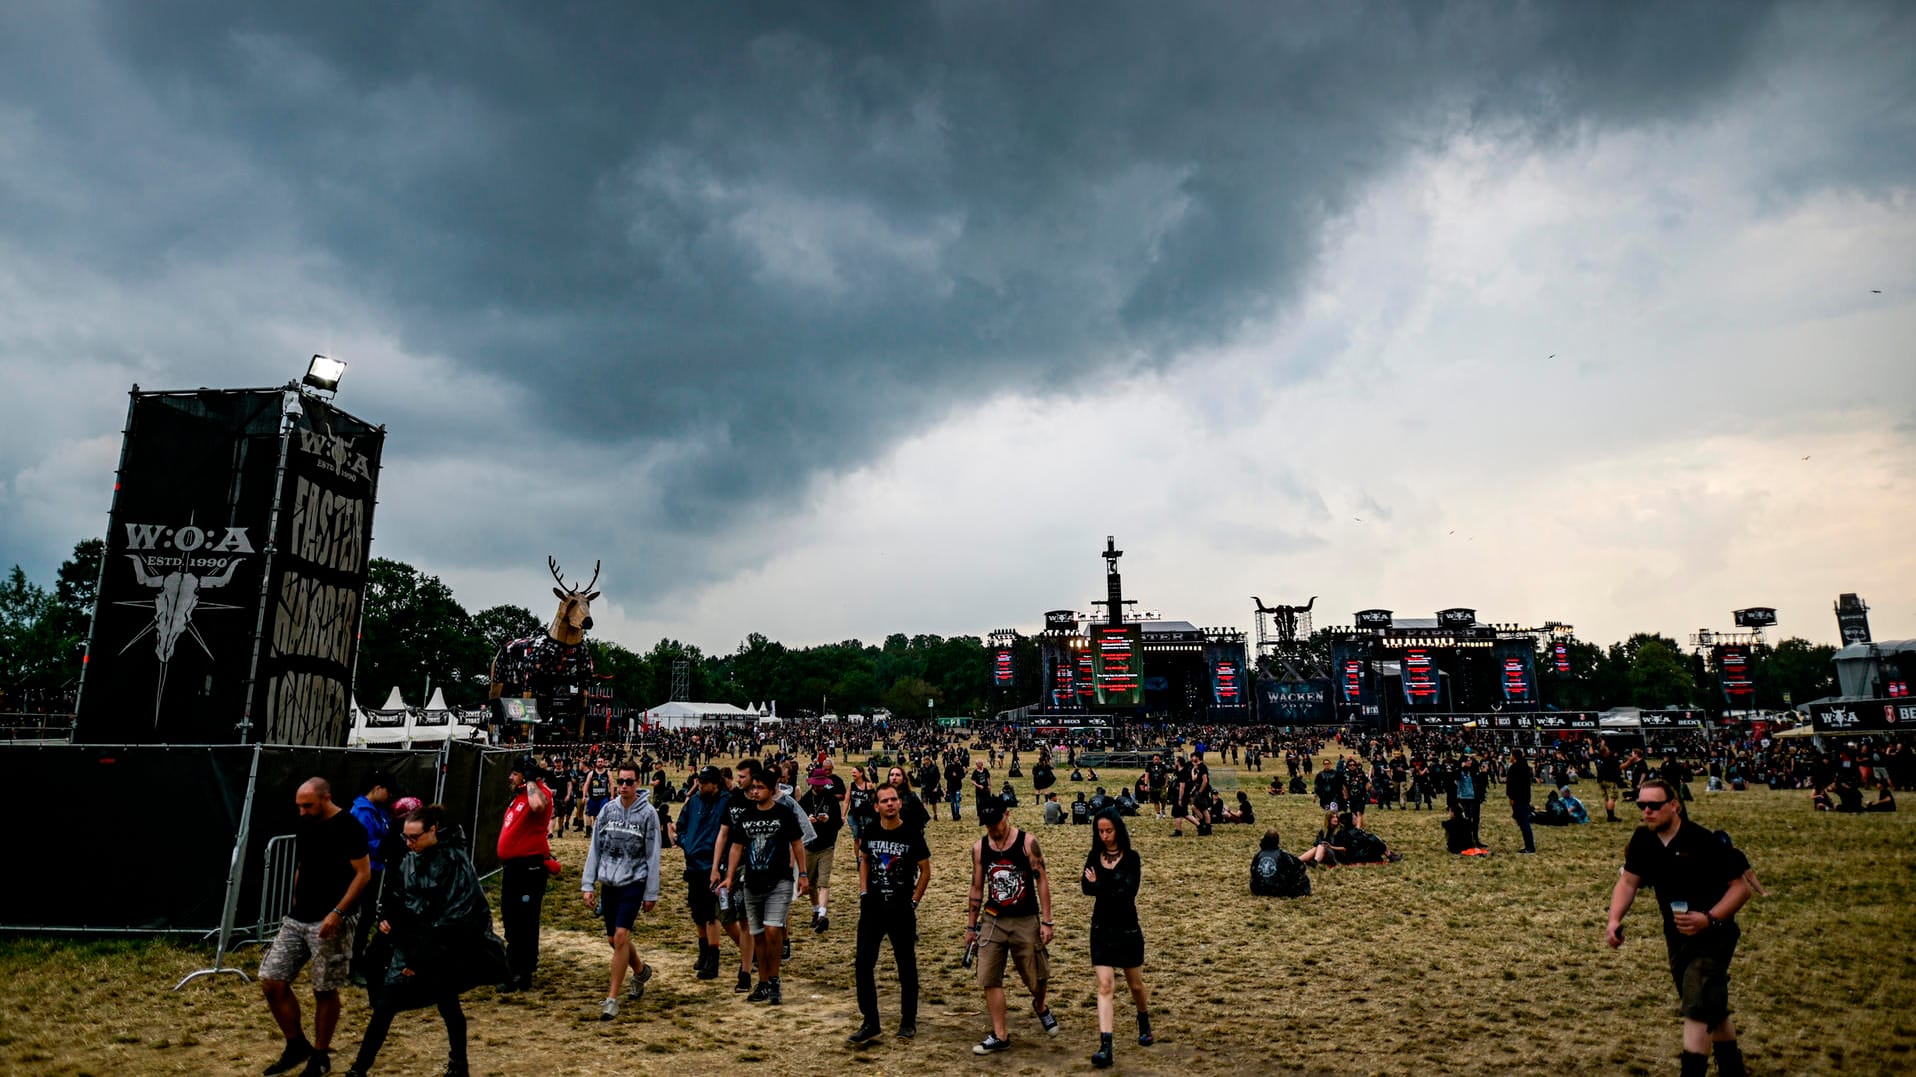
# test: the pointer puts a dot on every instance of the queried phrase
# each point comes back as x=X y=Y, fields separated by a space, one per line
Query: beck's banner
x=186 y=542
x=319 y=579
x=1863 y=716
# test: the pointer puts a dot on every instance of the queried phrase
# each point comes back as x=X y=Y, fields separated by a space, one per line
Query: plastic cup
x=1679 y=906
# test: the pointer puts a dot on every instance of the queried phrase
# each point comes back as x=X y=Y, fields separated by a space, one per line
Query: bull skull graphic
x=176 y=599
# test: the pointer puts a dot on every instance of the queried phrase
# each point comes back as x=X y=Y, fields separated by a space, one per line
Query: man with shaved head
x=330 y=872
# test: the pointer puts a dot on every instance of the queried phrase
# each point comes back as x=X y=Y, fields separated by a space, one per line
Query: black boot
x=1102 y=1058
x=1145 y=1039
x=1694 y=1065
x=1729 y=1059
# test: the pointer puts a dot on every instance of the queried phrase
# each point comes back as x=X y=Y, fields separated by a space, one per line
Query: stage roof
x=1168 y=628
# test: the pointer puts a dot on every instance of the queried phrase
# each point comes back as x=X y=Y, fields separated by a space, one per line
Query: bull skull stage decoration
x=177 y=597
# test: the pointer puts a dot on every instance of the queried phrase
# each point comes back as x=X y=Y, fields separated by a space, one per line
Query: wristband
x=1046 y=923
x=339 y=912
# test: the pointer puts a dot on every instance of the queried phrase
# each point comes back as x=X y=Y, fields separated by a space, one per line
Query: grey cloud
x=721 y=249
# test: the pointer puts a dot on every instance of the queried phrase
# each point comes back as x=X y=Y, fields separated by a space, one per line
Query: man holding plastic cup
x=1699 y=881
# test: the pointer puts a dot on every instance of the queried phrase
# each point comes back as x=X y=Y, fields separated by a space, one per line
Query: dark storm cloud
x=747 y=243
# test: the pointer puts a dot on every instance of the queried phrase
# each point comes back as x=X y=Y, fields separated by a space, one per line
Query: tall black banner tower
x=234 y=571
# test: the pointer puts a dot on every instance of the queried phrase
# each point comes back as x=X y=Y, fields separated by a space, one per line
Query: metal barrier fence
x=36 y=728
x=276 y=887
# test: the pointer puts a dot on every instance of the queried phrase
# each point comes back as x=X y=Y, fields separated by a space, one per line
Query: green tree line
x=416 y=634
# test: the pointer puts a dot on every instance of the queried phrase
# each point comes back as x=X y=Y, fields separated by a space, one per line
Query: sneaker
x=990 y=1045
x=456 y=1069
x=1526 y=852
x=761 y=993
x=639 y=981
x=708 y=965
x=295 y=1056
x=908 y=1030
x=821 y=923
x=776 y=997
x=1049 y=1023
x=318 y=1064
x=609 y=1009
x=1145 y=1039
x=744 y=981
x=866 y=1033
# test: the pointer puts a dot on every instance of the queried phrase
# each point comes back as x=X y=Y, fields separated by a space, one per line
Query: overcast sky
x=830 y=322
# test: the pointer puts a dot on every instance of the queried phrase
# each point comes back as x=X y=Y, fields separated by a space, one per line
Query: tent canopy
x=394 y=701
x=438 y=700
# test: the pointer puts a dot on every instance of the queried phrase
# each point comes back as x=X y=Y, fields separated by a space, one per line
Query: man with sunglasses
x=621 y=875
x=1699 y=880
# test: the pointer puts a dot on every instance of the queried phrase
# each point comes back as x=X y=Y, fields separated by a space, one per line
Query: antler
x=556 y=574
x=595 y=578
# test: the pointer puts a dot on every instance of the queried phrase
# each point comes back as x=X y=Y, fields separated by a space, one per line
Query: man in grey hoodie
x=621 y=875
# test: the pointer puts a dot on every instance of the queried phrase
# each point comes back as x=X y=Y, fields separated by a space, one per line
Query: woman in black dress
x=1111 y=874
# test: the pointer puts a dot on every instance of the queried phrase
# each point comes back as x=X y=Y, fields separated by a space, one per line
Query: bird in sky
x=1359 y=519
x=1876 y=291
x=1806 y=458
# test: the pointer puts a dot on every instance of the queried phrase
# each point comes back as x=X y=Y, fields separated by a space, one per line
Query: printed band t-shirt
x=767 y=835
x=894 y=856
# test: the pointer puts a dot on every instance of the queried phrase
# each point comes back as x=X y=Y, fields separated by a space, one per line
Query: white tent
x=680 y=714
x=394 y=701
x=382 y=728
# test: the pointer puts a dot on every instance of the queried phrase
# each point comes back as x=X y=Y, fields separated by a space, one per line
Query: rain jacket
x=441 y=923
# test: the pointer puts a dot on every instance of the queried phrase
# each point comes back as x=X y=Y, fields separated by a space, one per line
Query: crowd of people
x=387 y=894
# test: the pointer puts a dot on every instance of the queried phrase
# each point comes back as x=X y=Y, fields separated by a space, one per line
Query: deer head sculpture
x=574 y=618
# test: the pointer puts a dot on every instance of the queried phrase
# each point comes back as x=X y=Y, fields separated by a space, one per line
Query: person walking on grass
x=331 y=873
x=1009 y=917
x=824 y=807
x=622 y=876
x=1700 y=882
x=699 y=820
x=1112 y=872
x=1518 y=782
x=767 y=842
x=435 y=918
x=894 y=867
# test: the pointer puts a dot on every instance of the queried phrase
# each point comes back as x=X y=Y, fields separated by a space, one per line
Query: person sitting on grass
x=1324 y=850
x=1360 y=846
x=1276 y=873
x=1053 y=811
x=1885 y=797
x=1460 y=838
x=1579 y=814
x=1242 y=814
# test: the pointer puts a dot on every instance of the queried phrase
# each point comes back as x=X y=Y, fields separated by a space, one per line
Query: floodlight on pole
x=324 y=372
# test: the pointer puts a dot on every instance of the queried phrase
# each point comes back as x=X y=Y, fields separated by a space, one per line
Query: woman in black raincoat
x=439 y=927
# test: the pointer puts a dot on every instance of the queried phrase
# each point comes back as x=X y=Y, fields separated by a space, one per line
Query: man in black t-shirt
x=766 y=842
x=894 y=867
x=1699 y=880
x=332 y=870
x=981 y=790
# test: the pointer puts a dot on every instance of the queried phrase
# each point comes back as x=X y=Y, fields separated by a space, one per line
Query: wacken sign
x=235 y=563
x=1863 y=716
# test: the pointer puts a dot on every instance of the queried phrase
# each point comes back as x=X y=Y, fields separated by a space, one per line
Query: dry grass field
x=1432 y=965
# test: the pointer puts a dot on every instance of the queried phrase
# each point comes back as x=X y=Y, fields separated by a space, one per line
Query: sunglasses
x=628 y=781
x=1651 y=805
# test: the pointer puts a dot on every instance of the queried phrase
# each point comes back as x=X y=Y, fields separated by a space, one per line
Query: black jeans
x=399 y=999
x=522 y=895
x=880 y=918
